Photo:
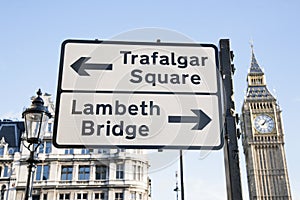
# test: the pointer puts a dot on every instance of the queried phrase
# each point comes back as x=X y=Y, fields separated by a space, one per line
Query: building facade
x=81 y=174
x=263 y=140
x=10 y=140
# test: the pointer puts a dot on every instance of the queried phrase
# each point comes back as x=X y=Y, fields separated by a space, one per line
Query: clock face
x=264 y=123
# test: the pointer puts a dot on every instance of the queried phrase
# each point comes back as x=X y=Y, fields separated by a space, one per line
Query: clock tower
x=263 y=140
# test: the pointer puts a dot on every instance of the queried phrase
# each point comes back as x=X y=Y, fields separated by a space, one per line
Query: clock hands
x=264 y=122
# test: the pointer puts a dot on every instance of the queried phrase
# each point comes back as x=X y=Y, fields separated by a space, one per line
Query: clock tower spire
x=263 y=139
x=257 y=88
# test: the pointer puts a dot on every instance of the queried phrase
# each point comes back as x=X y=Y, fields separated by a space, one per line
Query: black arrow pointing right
x=201 y=119
x=80 y=66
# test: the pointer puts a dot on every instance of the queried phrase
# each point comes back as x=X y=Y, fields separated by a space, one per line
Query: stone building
x=81 y=174
x=263 y=140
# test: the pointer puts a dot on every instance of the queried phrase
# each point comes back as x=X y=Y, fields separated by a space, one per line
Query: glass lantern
x=36 y=120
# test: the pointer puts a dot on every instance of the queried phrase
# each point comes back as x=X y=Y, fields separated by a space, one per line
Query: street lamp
x=36 y=119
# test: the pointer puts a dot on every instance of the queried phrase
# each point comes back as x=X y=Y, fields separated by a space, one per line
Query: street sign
x=138 y=95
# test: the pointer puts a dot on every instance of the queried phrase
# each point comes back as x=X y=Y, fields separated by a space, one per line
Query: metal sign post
x=231 y=152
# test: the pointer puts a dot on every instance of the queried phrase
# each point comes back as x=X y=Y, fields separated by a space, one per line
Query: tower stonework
x=263 y=140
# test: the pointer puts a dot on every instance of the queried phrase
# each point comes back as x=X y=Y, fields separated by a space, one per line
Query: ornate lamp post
x=36 y=120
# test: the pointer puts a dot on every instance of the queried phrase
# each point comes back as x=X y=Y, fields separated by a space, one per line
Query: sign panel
x=138 y=95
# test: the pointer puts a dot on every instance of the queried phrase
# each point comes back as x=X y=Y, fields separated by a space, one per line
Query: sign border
x=96 y=41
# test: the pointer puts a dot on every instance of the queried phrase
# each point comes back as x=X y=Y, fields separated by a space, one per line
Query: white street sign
x=138 y=95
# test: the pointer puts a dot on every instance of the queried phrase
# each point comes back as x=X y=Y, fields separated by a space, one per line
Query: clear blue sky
x=32 y=32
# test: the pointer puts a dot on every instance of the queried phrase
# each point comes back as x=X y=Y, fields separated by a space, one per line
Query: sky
x=32 y=33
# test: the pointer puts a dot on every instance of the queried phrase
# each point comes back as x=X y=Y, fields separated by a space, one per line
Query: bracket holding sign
x=138 y=95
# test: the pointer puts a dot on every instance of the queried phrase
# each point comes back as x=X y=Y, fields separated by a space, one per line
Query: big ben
x=263 y=139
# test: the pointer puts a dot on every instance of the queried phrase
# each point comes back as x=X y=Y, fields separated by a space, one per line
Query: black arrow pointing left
x=80 y=66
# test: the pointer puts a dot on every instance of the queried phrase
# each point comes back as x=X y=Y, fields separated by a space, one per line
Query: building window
x=64 y=196
x=45 y=196
x=134 y=166
x=1 y=151
x=11 y=151
x=50 y=127
x=42 y=172
x=35 y=197
x=101 y=172
x=45 y=172
x=119 y=196
x=136 y=196
x=46 y=147
x=5 y=172
x=69 y=151
x=84 y=173
x=38 y=172
x=41 y=148
x=120 y=171
x=82 y=196
x=121 y=150
x=103 y=151
x=132 y=196
x=85 y=151
x=66 y=173
x=137 y=171
x=136 y=151
x=99 y=196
